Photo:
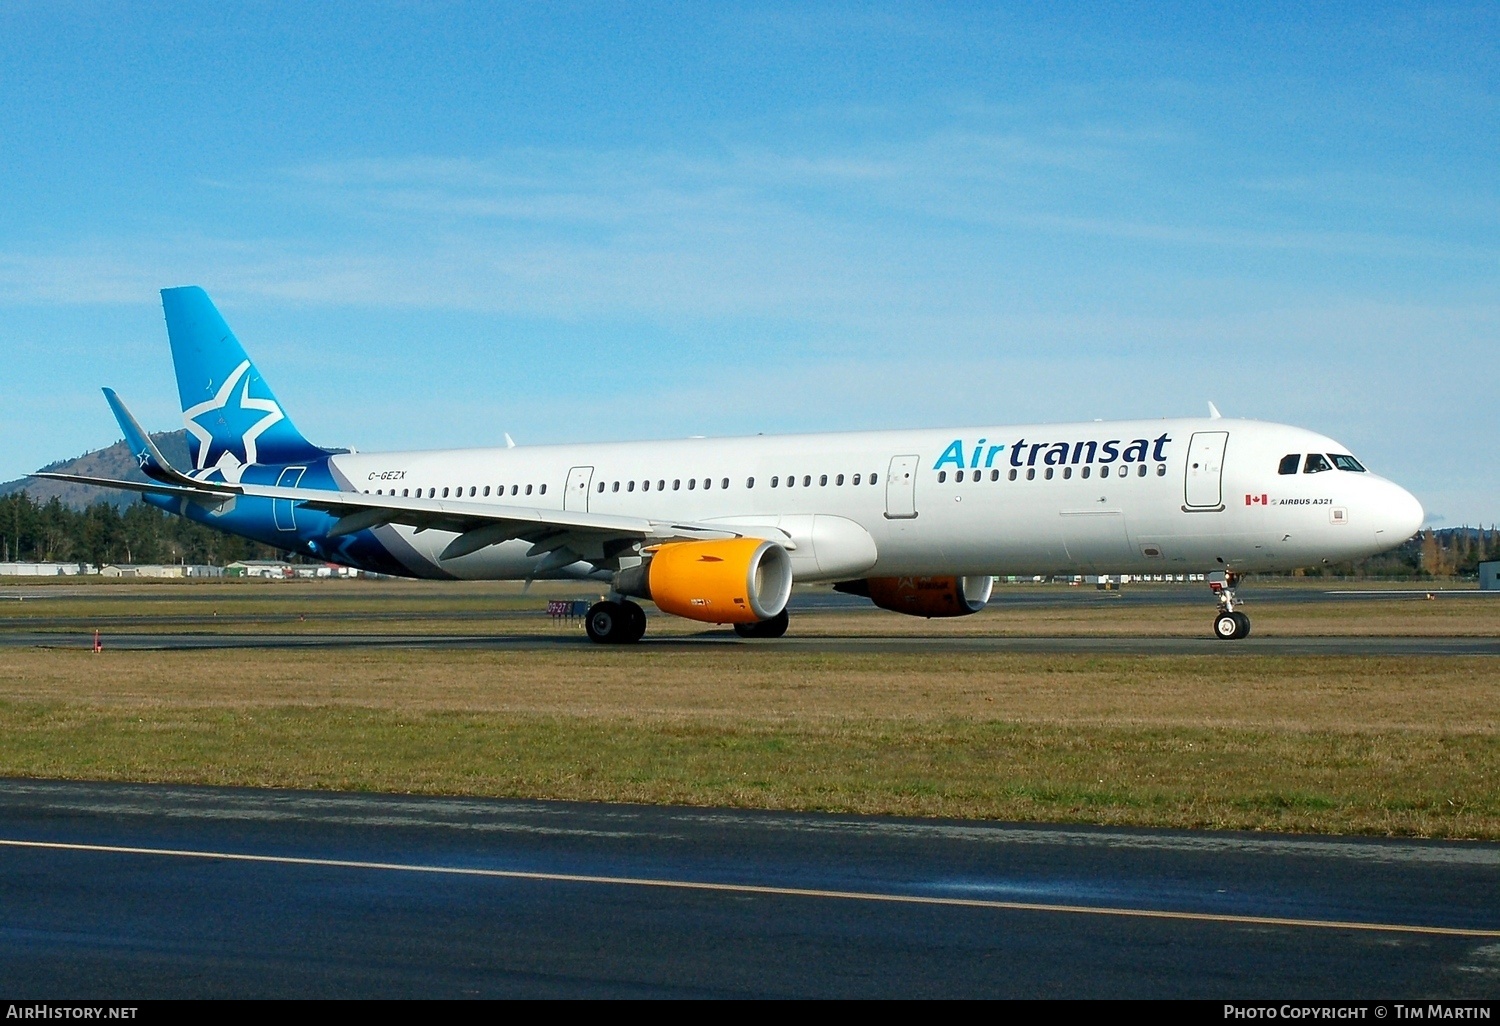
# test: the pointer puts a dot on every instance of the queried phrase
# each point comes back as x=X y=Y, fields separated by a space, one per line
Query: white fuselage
x=1121 y=497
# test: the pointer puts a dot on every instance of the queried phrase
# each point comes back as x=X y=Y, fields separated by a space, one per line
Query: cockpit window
x=1315 y=463
x=1289 y=463
x=1347 y=463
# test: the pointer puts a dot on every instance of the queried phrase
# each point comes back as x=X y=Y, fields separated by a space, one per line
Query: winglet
x=147 y=456
x=1213 y=412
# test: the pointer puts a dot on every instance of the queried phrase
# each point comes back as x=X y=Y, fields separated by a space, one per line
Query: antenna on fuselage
x=1213 y=413
x=510 y=443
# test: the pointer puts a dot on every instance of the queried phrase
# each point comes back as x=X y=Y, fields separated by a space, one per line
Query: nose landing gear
x=1229 y=623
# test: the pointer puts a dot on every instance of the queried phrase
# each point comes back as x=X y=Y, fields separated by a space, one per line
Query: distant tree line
x=103 y=533
x=1429 y=555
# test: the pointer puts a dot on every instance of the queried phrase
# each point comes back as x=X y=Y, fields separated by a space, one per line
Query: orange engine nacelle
x=737 y=580
x=924 y=596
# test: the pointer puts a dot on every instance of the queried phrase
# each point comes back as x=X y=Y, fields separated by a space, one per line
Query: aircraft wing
x=562 y=536
x=598 y=538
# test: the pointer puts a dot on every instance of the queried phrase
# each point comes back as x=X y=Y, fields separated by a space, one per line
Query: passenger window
x=1315 y=463
x=1031 y=473
x=528 y=489
x=724 y=483
x=791 y=480
x=445 y=493
x=1049 y=473
x=403 y=493
x=1289 y=463
x=516 y=489
x=1161 y=470
x=823 y=481
x=873 y=478
x=661 y=484
x=1141 y=471
x=629 y=486
x=1012 y=475
x=806 y=480
x=1103 y=471
x=942 y=476
x=994 y=475
x=775 y=481
x=646 y=486
x=749 y=483
x=486 y=491
x=692 y=483
x=854 y=479
x=676 y=483
x=958 y=475
x=1067 y=473
x=1347 y=463
x=601 y=487
x=1085 y=471
x=615 y=487
x=708 y=483
x=542 y=490
x=839 y=480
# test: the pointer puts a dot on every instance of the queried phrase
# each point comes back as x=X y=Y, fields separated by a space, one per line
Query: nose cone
x=1400 y=515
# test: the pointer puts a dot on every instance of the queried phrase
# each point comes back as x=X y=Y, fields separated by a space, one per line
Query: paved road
x=267 y=893
x=575 y=639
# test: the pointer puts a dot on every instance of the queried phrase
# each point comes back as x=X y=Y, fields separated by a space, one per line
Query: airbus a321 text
x=717 y=530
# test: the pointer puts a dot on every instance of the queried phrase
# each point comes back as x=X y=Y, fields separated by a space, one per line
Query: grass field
x=410 y=607
x=1329 y=744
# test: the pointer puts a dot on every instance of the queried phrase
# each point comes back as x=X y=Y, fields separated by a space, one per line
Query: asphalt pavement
x=130 y=890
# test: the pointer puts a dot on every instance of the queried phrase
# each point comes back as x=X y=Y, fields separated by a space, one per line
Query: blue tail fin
x=232 y=417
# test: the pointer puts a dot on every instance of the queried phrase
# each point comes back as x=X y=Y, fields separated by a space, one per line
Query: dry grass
x=408 y=607
x=1341 y=744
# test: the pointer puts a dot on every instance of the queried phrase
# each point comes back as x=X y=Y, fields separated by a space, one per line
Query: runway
x=156 y=891
x=1389 y=646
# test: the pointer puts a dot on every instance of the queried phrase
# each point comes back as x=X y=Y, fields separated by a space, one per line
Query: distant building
x=1489 y=575
x=44 y=569
x=160 y=570
x=273 y=568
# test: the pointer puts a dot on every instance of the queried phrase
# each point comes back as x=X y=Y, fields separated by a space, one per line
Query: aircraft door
x=1204 y=488
x=901 y=488
x=576 y=494
x=284 y=511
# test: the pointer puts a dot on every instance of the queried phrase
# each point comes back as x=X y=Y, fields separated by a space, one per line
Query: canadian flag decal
x=1257 y=500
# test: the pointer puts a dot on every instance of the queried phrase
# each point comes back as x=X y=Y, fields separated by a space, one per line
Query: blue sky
x=433 y=224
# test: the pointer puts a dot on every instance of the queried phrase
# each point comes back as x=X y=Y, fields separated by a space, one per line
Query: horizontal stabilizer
x=193 y=489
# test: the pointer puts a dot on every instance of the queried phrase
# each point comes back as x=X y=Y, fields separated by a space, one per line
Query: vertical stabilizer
x=232 y=417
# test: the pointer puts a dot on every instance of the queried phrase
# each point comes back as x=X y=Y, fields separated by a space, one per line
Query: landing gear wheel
x=775 y=627
x=635 y=622
x=1231 y=626
x=608 y=623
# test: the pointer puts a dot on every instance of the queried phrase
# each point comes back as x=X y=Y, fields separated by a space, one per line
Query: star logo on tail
x=228 y=425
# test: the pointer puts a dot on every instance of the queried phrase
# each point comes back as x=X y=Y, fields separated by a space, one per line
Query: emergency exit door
x=576 y=494
x=901 y=488
x=1204 y=489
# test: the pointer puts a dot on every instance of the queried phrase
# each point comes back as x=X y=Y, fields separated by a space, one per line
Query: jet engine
x=924 y=596
x=736 y=580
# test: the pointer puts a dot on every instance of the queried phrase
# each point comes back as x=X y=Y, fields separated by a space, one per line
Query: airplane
x=717 y=529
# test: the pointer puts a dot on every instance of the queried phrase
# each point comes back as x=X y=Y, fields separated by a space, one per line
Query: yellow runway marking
x=780 y=892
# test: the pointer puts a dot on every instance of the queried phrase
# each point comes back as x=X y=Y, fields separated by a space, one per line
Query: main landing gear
x=775 y=627
x=1229 y=623
x=615 y=623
